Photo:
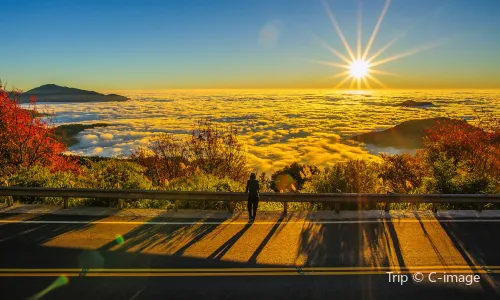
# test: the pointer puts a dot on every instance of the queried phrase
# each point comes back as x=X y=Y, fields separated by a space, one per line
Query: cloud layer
x=278 y=127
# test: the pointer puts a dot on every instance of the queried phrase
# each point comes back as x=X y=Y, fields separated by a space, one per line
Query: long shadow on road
x=258 y=250
x=38 y=233
x=197 y=244
x=475 y=243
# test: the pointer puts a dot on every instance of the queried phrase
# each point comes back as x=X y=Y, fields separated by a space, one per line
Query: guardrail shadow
x=41 y=228
x=215 y=240
x=258 y=250
x=473 y=240
x=158 y=245
x=373 y=244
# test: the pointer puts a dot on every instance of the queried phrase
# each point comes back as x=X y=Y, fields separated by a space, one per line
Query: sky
x=200 y=44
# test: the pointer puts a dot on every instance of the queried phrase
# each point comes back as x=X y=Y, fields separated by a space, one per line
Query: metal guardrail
x=479 y=199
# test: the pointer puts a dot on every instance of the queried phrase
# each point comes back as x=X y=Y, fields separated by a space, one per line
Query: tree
x=26 y=140
x=403 y=173
x=352 y=176
x=264 y=183
x=463 y=158
x=293 y=177
x=166 y=157
x=211 y=149
x=216 y=149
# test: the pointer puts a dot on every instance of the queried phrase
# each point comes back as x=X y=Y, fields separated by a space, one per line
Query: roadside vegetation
x=455 y=159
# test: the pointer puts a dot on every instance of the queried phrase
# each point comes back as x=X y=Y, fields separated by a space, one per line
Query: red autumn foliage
x=26 y=140
x=475 y=147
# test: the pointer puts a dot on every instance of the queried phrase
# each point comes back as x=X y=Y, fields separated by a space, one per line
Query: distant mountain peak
x=55 y=93
x=406 y=135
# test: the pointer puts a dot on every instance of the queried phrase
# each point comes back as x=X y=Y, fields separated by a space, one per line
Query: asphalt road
x=69 y=257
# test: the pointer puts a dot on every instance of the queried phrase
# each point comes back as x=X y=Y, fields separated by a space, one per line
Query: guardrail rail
x=335 y=198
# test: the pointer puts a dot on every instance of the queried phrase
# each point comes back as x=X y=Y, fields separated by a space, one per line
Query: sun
x=360 y=65
x=359 y=69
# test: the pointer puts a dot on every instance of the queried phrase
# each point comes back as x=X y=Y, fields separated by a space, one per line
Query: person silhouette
x=252 y=190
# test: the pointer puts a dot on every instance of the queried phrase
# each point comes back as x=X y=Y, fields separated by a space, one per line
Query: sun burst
x=359 y=69
x=360 y=66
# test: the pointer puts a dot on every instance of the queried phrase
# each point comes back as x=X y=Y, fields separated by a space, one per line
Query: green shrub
x=207 y=183
x=114 y=174
x=403 y=173
x=38 y=176
x=354 y=176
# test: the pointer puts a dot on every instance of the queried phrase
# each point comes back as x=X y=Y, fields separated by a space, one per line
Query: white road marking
x=255 y=223
x=136 y=294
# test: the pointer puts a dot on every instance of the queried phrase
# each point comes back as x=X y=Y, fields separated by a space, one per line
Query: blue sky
x=241 y=43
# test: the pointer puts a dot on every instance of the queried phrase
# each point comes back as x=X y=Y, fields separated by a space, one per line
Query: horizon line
x=298 y=89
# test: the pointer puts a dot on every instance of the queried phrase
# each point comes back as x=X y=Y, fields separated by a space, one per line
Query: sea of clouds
x=278 y=127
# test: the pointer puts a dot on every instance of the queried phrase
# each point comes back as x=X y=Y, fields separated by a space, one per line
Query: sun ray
x=402 y=34
x=383 y=49
x=405 y=54
x=334 y=51
x=366 y=83
x=384 y=73
x=353 y=81
x=376 y=81
x=335 y=76
x=339 y=31
x=331 y=64
x=345 y=73
x=327 y=46
x=343 y=81
x=375 y=30
x=359 y=82
x=360 y=27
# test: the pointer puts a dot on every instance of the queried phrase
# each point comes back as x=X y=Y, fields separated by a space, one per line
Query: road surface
x=112 y=257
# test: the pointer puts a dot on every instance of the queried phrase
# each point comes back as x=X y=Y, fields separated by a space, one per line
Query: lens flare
x=119 y=239
x=91 y=259
x=59 y=282
x=285 y=183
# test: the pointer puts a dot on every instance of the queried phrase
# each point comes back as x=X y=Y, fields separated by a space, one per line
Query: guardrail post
x=337 y=207
x=65 y=202
x=121 y=203
x=230 y=206
x=176 y=207
x=387 y=203
x=285 y=208
x=480 y=206
x=10 y=201
x=387 y=206
x=435 y=207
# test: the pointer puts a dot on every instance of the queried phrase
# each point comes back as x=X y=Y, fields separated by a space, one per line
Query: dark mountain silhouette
x=413 y=103
x=56 y=93
x=67 y=133
x=407 y=135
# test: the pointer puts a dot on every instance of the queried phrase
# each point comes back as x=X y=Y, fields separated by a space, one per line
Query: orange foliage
x=471 y=146
x=26 y=140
